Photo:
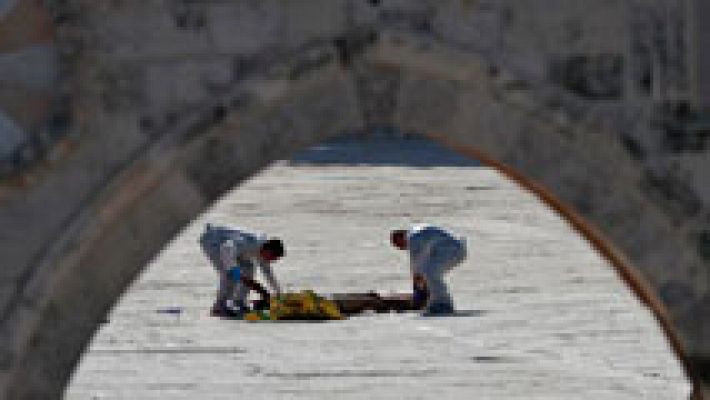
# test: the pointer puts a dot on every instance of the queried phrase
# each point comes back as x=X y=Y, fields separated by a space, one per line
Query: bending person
x=233 y=254
x=433 y=252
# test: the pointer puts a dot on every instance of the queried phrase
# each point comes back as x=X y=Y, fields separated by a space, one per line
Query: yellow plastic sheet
x=303 y=305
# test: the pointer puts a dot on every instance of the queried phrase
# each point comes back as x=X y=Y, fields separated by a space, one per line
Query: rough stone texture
x=700 y=59
x=130 y=117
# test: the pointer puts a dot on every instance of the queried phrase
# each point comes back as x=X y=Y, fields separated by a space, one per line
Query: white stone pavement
x=551 y=320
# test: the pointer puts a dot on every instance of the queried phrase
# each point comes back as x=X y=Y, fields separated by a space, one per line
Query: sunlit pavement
x=547 y=317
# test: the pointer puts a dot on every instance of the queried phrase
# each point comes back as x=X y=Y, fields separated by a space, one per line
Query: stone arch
x=97 y=214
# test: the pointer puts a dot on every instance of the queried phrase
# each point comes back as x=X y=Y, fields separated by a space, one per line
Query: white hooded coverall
x=433 y=252
x=227 y=248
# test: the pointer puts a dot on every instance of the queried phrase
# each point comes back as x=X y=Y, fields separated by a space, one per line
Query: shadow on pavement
x=382 y=150
x=457 y=313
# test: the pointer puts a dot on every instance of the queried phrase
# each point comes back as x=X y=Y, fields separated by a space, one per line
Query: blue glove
x=235 y=273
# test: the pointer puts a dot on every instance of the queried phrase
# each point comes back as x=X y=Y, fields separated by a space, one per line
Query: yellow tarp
x=303 y=305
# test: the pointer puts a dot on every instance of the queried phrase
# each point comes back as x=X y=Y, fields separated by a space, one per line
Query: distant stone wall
x=120 y=121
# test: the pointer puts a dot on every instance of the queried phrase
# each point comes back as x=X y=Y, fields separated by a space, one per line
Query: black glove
x=420 y=292
x=419 y=296
x=261 y=304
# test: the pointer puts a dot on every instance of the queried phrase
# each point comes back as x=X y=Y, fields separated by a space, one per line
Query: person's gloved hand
x=420 y=292
x=235 y=273
x=419 y=297
x=261 y=304
x=418 y=282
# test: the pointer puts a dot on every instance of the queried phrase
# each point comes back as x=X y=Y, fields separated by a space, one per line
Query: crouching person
x=234 y=254
x=433 y=252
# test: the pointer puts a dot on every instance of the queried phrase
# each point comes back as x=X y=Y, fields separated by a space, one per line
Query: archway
x=541 y=312
x=156 y=137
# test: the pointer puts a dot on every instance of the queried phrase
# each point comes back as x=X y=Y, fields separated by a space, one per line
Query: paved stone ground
x=548 y=318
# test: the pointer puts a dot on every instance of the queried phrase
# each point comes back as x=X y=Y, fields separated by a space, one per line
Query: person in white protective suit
x=233 y=254
x=433 y=252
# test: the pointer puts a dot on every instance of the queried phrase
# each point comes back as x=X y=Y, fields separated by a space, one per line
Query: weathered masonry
x=120 y=120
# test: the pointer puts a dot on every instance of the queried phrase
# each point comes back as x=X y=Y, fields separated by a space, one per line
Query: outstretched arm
x=419 y=253
x=255 y=286
x=420 y=292
x=269 y=275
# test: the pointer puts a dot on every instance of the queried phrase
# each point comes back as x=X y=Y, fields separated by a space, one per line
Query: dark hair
x=275 y=246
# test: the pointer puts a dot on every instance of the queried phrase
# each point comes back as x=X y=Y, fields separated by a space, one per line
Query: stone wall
x=122 y=120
